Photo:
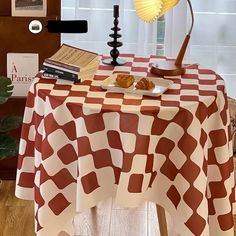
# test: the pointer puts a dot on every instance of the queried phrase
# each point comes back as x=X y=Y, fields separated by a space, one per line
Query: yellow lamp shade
x=150 y=10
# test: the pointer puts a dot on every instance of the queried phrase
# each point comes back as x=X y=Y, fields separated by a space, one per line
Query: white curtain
x=213 y=39
x=212 y=43
x=137 y=37
x=175 y=29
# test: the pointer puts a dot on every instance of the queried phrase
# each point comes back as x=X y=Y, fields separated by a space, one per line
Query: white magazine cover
x=21 y=69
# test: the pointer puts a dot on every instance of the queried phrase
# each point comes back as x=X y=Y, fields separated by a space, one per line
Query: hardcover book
x=22 y=68
x=59 y=74
x=70 y=61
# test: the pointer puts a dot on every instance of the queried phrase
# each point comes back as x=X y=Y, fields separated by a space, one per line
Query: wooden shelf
x=15 y=37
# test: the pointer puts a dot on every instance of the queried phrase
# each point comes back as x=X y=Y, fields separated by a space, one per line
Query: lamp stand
x=172 y=68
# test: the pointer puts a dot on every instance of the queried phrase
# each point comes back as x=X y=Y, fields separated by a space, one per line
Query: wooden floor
x=16 y=216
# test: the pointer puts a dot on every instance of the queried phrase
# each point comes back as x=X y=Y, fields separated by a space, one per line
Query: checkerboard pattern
x=81 y=144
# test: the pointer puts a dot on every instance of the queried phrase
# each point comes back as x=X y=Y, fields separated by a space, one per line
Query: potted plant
x=8 y=144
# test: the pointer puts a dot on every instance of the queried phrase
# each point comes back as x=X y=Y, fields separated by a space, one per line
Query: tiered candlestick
x=115 y=44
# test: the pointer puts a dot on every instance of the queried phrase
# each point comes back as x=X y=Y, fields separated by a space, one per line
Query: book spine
x=59 y=71
x=60 y=74
x=60 y=68
x=59 y=64
x=54 y=76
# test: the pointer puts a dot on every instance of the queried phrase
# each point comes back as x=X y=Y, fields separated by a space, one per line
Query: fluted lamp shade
x=150 y=10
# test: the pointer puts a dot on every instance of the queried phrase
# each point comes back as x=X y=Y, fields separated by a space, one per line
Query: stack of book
x=71 y=63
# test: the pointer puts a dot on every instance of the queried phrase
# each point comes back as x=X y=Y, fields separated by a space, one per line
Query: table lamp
x=150 y=10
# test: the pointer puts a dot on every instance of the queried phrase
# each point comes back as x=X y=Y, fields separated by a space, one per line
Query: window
x=212 y=44
x=213 y=41
x=137 y=37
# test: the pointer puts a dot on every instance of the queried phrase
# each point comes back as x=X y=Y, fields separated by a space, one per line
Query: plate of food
x=125 y=83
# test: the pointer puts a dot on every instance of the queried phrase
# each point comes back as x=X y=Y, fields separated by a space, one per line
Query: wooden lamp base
x=167 y=68
x=172 y=68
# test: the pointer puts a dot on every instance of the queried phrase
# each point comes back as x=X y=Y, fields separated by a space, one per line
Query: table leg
x=162 y=220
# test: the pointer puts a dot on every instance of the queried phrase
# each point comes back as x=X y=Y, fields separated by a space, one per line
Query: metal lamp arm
x=192 y=16
x=182 y=51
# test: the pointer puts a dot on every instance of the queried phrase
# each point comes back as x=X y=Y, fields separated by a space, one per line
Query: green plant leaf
x=9 y=146
x=6 y=88
x=9 y=123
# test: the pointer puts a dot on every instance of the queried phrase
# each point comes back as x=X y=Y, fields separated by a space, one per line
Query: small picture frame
x=31 y=8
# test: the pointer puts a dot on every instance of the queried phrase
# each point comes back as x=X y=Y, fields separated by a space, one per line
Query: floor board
x=16 y=216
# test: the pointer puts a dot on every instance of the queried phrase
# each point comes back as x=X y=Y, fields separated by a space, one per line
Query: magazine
x=22 y=68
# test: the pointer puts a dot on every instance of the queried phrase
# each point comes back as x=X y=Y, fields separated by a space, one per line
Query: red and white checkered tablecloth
x=81 y=144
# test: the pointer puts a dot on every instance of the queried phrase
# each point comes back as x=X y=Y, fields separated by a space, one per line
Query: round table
x=81 y=144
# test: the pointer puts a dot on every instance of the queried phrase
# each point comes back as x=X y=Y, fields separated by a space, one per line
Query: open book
x=71 y=63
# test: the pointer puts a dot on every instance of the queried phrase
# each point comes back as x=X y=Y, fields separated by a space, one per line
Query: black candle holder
x=115 y=61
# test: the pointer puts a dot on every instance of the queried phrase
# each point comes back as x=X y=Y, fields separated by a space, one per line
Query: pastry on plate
x=145 y=84
x=124 y=81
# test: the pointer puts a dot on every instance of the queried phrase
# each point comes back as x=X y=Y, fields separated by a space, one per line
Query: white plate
x=161 y=85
